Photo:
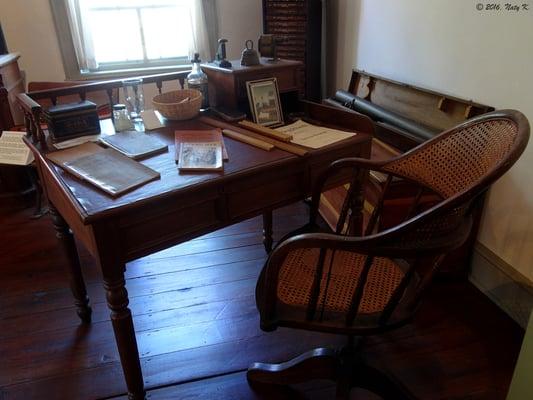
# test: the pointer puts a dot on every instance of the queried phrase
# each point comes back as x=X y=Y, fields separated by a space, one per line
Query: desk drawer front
x=170 y=227
x=250 y=197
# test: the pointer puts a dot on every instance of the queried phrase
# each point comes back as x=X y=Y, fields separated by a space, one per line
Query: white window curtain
x=203 y=19
x=81 y=36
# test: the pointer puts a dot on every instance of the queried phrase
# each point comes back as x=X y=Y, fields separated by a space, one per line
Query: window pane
x=167 y=31
x=116 y=35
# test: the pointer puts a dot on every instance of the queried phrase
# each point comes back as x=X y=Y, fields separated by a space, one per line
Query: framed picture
x=265 y=105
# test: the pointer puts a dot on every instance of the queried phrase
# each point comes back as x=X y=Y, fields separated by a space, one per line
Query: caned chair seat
x=343 y=270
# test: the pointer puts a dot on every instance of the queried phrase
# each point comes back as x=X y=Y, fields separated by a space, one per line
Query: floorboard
x=197 y=327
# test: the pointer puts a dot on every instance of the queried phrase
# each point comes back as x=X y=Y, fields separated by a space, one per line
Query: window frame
x=70 y=61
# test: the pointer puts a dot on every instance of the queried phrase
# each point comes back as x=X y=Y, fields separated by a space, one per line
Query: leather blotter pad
x=106 y=169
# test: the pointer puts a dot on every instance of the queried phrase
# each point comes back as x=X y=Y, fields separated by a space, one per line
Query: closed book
x=204 y=156
x=107 y=169
x=135 y=144
x=200 y=136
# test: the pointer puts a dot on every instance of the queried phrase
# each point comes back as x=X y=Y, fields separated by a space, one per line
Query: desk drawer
x=168 y=224
x=251 y=196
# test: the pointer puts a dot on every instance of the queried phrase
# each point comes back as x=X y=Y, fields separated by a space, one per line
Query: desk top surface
x=244 y=159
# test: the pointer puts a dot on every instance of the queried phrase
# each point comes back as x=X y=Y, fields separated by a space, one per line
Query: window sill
x=127 y=73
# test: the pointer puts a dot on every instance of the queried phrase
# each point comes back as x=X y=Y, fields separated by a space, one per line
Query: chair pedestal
x=346 y=367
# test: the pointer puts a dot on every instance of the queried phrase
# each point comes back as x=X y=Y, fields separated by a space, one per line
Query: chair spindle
x=359 y=290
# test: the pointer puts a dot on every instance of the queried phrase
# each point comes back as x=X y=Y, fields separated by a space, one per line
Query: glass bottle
x=134 y=97
x=197 y=79
x=121 y=118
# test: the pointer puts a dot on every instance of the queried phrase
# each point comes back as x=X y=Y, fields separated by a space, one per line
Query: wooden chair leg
x=319 y=363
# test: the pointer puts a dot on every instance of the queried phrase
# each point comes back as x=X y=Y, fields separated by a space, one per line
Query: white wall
x=29 y=29
x=449 y=46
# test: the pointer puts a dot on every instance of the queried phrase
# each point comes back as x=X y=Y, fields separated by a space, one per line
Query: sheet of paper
x=76 y=141
x=314 y=136
x=13 y=150
x=151 y=120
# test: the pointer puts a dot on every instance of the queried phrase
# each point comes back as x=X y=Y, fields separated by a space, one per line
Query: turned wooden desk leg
x=267 y=231
x=117 y=301
x=77 y=284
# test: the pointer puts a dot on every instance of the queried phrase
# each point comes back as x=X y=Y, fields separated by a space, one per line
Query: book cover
x=204 y=156
x=107 y=169
x=135 y=144
x=200 y=136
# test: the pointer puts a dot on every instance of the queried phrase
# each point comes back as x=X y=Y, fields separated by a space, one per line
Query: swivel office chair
x=371 y=284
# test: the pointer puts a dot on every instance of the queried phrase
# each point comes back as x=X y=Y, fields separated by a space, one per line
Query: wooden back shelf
x=32 y=102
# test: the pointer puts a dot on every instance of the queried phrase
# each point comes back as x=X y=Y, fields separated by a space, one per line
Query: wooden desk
x=174 y=209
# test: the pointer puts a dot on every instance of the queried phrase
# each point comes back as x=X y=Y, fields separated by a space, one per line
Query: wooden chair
x=365 y=285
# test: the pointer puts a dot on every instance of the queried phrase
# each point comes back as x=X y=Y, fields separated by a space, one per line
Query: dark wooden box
x=67 y=121
x=227 y=86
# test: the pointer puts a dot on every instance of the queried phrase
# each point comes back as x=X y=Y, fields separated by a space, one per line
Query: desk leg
x=267 y=231
x=117 y=301
x=77 y=284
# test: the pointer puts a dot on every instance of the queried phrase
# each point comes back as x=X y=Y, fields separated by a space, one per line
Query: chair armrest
x=357 y=164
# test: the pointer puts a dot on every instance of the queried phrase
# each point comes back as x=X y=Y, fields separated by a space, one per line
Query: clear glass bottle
x=197 y=79
x=134 y=97
x=121 y=118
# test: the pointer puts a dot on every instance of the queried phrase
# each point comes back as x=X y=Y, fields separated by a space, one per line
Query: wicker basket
x=170 y=104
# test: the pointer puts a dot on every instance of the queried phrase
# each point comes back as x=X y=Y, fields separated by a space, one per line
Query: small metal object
x=267 y=46
x=249 y=55
x=220 y=58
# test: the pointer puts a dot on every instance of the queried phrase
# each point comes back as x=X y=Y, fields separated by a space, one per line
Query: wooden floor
x=197 y=327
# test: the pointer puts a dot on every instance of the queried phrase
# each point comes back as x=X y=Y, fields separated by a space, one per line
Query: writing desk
x=176 y=208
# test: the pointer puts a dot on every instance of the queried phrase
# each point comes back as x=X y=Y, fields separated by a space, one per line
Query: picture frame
x=265 y=105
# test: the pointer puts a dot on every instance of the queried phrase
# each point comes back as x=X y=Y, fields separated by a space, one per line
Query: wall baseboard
x=503 y=284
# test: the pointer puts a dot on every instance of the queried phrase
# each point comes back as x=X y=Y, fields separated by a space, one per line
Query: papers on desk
x=13 y=150
x=151 y=119
x=76 y=141
x=314 y=136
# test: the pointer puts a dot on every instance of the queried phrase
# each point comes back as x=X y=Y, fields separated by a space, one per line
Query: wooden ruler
x=263 y=130
x=291 y=148
x=246 y=139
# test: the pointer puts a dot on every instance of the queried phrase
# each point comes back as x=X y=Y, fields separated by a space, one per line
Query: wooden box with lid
x=227 y=86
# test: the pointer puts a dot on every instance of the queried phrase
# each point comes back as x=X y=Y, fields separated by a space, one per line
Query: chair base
x=346 y=367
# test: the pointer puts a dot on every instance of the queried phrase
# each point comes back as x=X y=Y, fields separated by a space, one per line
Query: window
x=106 y=37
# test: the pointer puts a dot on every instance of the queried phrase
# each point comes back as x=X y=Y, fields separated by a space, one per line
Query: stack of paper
x=314 y=136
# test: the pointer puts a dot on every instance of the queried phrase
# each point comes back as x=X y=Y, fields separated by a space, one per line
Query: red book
x=204 y=136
